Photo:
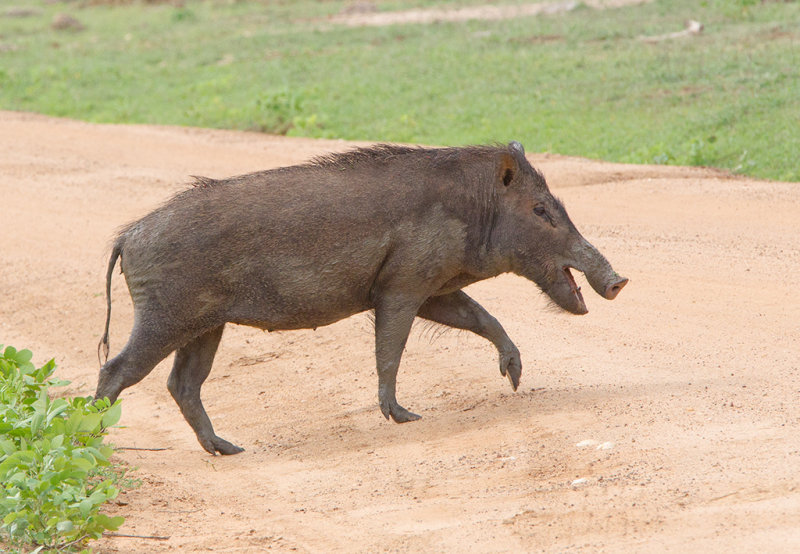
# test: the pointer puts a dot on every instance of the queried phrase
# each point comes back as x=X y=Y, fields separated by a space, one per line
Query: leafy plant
x=54 y=467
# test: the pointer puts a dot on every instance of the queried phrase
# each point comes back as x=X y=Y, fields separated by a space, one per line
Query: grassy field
x=581 y=82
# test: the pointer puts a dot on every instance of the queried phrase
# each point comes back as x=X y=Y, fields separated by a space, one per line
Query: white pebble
x=579 y=482
x=587 y=442
x=606 y=446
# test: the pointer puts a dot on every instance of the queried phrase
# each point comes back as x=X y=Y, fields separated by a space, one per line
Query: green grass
x=579 y=83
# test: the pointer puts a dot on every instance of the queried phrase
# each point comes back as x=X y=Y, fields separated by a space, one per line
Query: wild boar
x=395 y=229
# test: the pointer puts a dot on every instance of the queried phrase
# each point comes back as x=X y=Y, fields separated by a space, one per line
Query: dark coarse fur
x=395 y=229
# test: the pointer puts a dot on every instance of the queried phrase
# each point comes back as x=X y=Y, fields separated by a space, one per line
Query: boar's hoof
x=216 y=444
x=398 y=413
x=511 y=366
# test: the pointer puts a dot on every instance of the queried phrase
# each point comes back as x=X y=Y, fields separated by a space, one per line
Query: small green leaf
x=18 y=478
x=58 y=426
x=7 y=446
x=36 y=423
x=58 y=407
x=52 y=521
x=67 y=474
x=82 y=463
x=111 y=417
x=98 y=497
x=84 y=506
x=115 y=522
x=65 y=526
x=90 y=423
x=56 y=442
x=23 y=356
x=73 y=422
x=105 y=451
x=21 y=457
x=101 y=403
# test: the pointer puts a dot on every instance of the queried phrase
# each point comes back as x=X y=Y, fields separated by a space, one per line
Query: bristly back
x=376 y=154
x=363 y=155
x=380 y=153
x=200 y=181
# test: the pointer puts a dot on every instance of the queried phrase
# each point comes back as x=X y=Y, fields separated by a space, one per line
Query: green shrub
x=54 y=468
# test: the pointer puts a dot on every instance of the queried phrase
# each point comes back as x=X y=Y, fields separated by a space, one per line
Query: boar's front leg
x=458 y=310
x=393 y=319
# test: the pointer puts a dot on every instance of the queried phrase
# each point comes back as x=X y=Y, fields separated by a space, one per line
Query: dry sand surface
x=666 y=420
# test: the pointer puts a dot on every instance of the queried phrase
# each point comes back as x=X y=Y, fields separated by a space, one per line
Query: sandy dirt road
x=688 y=382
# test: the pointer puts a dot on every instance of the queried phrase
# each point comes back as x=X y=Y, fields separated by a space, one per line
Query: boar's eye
x=540 y=210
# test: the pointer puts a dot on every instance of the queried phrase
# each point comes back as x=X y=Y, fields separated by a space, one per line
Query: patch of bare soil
x=365 y=14
x=666 y=420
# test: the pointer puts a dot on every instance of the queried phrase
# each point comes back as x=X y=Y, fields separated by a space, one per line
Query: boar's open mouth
x=576 y=290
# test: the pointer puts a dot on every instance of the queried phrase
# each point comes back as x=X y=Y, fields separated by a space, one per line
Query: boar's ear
x=508 y=168
x=510 y=163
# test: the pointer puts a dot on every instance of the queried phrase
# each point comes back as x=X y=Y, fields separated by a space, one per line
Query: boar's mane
x=382 y=153
x=379 y=154
x=468 y=157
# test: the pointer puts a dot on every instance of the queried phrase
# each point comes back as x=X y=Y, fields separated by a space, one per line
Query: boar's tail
x=103 y=345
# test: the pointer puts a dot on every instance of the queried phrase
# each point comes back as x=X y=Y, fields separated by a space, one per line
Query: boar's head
x=534 y=235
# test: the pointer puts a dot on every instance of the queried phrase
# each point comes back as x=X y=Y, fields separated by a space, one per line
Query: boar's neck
x=479 y=207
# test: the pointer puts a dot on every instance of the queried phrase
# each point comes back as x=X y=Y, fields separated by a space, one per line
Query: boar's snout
x=603 y=279
x=613 y=289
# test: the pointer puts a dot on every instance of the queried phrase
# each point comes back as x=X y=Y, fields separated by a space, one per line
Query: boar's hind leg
x=392 y=324
x=134 y=362
x=192 y=366
x=462 y=312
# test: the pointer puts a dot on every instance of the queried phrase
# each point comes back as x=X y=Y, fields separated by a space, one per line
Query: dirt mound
x=665 y=420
